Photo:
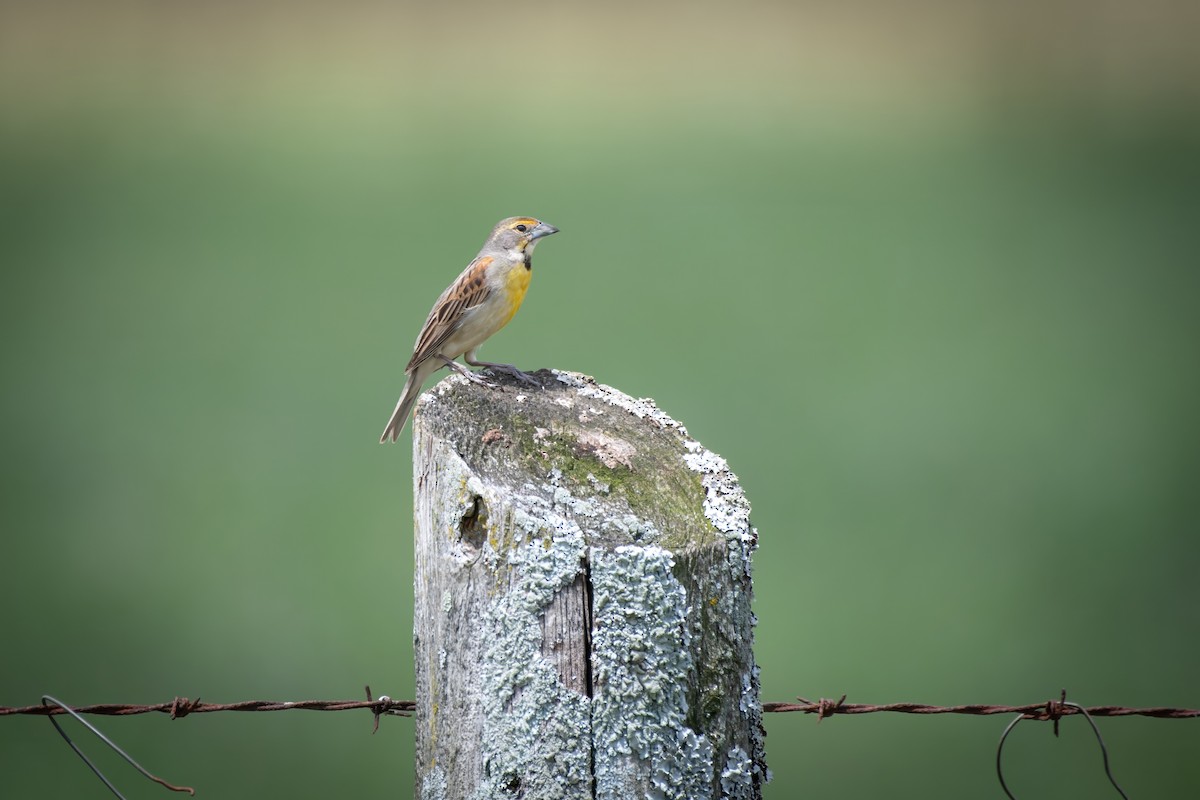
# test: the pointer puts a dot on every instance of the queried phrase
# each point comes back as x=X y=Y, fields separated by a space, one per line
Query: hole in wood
x=472 y=528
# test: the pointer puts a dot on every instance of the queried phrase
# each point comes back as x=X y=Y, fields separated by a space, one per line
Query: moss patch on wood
x=545 y=431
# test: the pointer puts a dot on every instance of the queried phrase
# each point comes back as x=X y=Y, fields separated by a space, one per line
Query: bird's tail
x=412 y=390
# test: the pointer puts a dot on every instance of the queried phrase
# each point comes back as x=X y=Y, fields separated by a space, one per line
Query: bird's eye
x=522 y=228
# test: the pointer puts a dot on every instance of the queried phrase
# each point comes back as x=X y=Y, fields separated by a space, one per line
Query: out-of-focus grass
x=948 y=345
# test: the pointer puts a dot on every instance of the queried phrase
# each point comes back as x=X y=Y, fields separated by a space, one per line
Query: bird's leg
x=507 y=369
x=466 y=373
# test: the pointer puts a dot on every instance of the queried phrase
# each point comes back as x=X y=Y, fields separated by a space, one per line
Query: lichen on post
x=583 y=625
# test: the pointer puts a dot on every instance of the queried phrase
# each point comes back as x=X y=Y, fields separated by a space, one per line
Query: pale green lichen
x=535 y=740
x=640 y=671
x=433 y=785
x=737 y=779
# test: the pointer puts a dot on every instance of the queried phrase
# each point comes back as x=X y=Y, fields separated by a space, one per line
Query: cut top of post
x=596 y=446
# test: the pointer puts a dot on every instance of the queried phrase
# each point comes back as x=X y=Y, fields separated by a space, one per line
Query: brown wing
x=468 y=290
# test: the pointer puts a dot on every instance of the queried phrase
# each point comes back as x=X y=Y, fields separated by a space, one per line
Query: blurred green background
x=925 y=275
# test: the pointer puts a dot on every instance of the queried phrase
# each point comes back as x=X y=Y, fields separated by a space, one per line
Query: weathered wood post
x=583 y=625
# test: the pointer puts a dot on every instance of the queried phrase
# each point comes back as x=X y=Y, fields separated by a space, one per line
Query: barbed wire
x=1050 y=710
x=180 y=707
x=52 y=702
x=183 y=706
x=1058 y=708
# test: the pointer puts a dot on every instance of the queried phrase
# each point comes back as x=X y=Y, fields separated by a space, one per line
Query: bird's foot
x=508 y=369
x=473 y=377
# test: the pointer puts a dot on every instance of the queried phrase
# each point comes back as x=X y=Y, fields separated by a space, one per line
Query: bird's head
x=519 y=234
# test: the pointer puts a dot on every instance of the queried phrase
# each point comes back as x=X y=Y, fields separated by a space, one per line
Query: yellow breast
x=516 y=283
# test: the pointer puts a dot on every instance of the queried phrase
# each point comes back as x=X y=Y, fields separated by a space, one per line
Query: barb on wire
x=1056 y=709
x=51 y=702
x=383 y=706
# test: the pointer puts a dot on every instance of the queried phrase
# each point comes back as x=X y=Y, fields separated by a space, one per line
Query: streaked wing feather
x=468 y=290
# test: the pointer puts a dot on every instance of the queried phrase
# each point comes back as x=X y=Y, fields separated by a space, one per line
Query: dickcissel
x=480 y=302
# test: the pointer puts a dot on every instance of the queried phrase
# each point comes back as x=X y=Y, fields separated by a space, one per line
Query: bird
x=478 y=303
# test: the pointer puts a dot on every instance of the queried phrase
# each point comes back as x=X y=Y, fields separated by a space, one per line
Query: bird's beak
x=542 y=229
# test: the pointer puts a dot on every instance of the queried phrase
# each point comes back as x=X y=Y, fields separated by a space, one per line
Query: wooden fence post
x=583 y=625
